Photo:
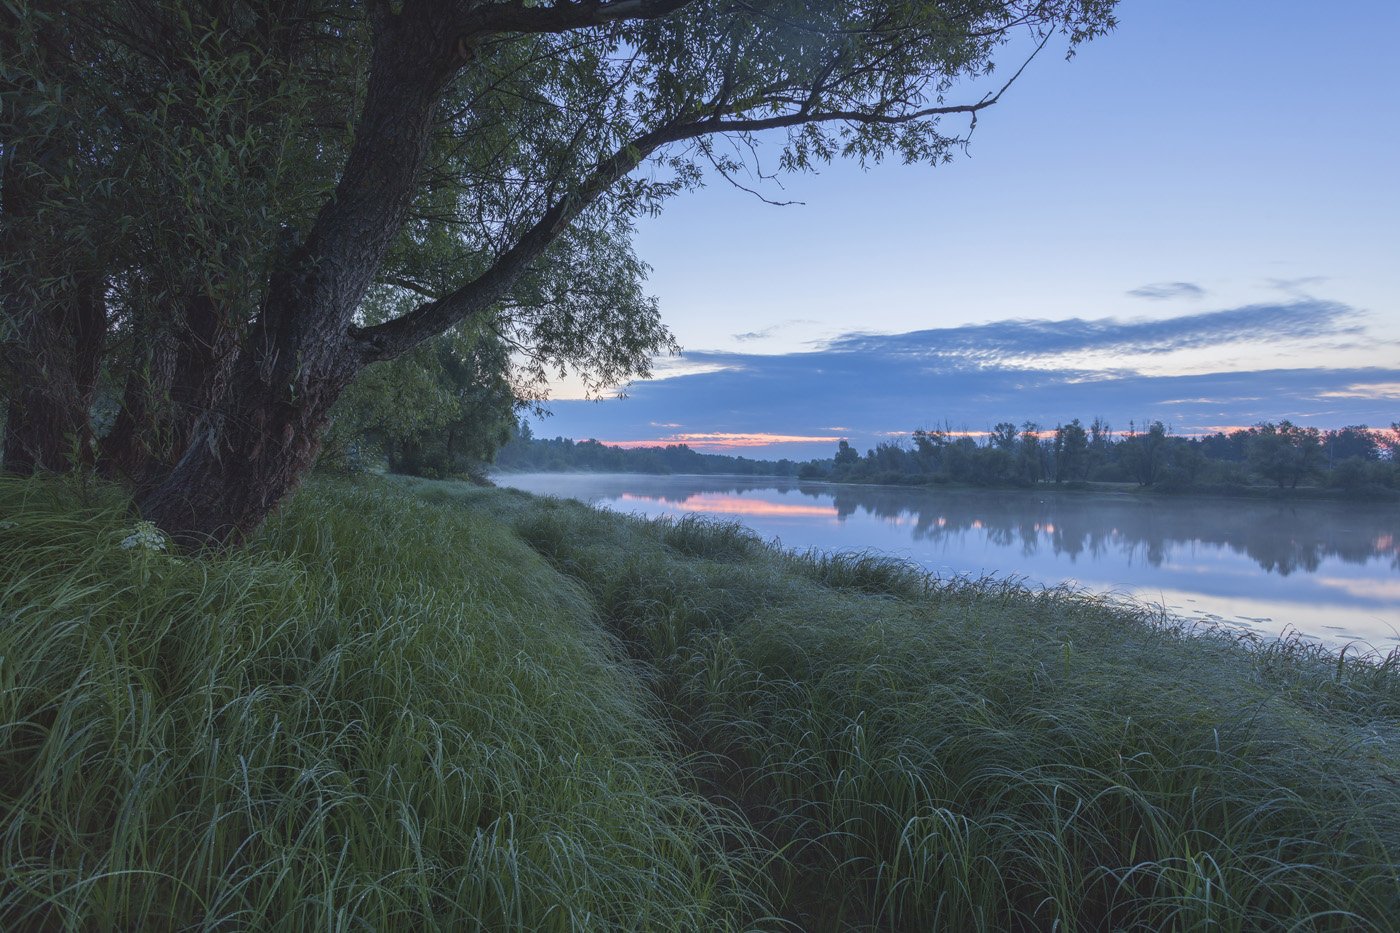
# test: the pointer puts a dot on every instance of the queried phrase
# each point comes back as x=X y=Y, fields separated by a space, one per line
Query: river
x=1328 y=570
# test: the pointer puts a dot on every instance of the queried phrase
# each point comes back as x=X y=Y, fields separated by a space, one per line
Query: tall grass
x=383 y=715
x=419 y=705
x=977 y=755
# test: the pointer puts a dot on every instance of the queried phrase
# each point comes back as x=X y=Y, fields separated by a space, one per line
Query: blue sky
x=1195 y=219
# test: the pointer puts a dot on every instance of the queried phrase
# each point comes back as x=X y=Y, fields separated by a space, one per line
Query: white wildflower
x=146 y=537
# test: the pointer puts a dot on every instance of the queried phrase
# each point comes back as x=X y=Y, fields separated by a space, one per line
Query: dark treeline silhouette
x=1355 y=459
x=524 y=451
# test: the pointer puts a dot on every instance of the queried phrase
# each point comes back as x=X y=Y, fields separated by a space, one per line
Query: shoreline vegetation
x=1266 y=461
x=415 y=704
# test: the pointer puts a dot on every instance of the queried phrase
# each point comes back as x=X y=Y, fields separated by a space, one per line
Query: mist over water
x=1330 y=571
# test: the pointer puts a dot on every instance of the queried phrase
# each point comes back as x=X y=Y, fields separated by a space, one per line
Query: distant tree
x=1071 y=452
x=1004 y=436
x=1030 y=455
x=1189 y=457
x=1353 y=441
x=1100 y=451
x=1284 y=453
x=889 y=457
x=846 y=455
x=928 y=449
x=1145 y=455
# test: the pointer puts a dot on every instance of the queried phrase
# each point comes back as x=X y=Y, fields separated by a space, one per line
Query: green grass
x=418 y=705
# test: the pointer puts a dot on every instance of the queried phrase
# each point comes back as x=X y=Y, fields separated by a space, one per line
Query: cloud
x=966 y=379
x=721 y=441
x=756 y=334
x=1161 y=291
x=770 y=330
x=1297 y=284
x=676 y=367
x=1375 y=390
x=1024 y=341
x=1208 y=401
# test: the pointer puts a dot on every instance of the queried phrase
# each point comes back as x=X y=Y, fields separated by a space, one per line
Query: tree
x=225 y=185
x=1071 y=452
x=1284 y=453
x=1145 y=455
x=444 y=407
x=1003 y=436
x=846 y=455
x=1355 y=441
x=928 y=449
x=1030 y=463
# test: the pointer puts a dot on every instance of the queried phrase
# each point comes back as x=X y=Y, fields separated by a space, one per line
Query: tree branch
x=563 y=16
x=389 y=339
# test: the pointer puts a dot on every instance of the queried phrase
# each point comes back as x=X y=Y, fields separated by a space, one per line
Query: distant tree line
x=437 y=416
x=524 y=451
x=1356 y=459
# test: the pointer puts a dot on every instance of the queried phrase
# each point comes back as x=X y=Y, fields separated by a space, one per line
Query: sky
x=1195 y=220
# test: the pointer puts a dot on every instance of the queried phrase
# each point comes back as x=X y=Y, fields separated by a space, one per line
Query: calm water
x=1328 y=570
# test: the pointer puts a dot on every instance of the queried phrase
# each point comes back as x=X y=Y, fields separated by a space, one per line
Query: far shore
x=1371 y=497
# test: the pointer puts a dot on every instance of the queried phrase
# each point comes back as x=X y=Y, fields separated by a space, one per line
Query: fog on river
x=1328 y=570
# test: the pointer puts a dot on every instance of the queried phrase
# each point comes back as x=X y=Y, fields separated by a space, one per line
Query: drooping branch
x=387 y=340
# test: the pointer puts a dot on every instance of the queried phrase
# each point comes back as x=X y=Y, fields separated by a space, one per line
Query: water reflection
x=737 y=505
x=1281 y=537
x=1329 y=568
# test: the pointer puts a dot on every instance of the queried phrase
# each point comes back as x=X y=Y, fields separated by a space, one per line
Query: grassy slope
x=427 y=704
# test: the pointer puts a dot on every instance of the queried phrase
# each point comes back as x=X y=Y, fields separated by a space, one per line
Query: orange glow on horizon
x=725 y=441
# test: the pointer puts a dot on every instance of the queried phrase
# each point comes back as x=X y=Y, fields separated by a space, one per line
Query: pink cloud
x=722 y=441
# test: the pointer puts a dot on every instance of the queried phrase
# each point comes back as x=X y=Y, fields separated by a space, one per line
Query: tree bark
x=244 y=457
x=252 y=445
x=180 y=369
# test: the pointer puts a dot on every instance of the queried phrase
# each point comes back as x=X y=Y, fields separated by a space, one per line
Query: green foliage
x=443 y=408
x=1285 y=453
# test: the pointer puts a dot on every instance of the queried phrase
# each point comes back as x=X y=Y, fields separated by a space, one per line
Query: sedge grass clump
x=708 y=538
x=382 y=714
x=863 y=572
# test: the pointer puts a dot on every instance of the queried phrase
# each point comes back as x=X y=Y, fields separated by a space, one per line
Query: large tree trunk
x=253 y=444
x=244 y=457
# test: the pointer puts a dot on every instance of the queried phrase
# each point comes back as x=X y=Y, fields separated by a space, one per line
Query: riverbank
x=414 y=704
